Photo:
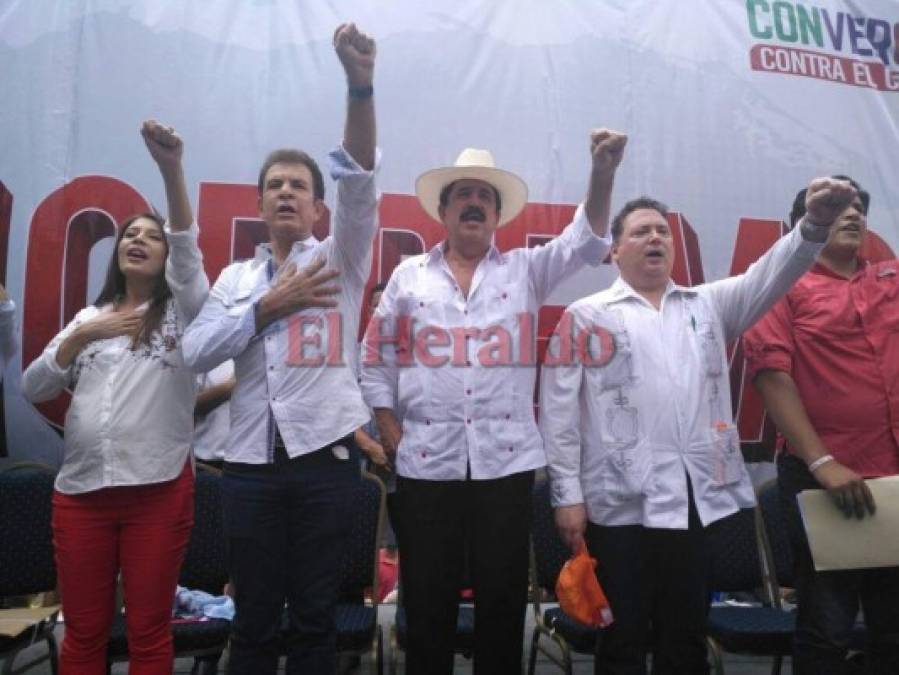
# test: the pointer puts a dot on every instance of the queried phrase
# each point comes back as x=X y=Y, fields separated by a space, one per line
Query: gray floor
x=734 y=665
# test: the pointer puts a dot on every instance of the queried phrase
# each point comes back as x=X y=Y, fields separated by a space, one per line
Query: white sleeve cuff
x=342 y=164
x=591 y=248
x=566 y=492
x=181 y=237
x=377 y=397
x=53 y=366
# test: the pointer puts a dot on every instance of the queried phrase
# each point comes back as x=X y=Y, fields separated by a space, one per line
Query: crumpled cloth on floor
x=190 y=603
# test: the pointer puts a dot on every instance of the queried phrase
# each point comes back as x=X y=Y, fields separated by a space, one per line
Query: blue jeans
x=286 y=524
x=829 y=601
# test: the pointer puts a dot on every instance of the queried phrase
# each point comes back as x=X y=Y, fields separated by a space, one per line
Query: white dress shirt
x=213 y=430
x=309 y=390
x=131 y=417
x=653 y=404
x=476 y=408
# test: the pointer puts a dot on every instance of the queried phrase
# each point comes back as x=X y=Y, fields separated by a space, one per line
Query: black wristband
x=360 y=93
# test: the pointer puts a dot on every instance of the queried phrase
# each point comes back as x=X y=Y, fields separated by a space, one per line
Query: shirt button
x=468 y=421
x=508 y=416
x=271 y=367
x=468 y=391
x=428 y=422
x=505 y=295
x=424 y=454
x=468 y=363
x=510 y=448
x=421 y=304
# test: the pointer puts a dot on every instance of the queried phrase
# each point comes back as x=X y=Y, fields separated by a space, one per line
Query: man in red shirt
x=826 y=362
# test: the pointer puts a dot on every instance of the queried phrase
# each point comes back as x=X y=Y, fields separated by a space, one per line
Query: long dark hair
x=114 y=287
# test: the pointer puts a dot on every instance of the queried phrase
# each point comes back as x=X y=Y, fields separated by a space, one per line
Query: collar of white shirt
x=264 y=251
x=621 y=290
x=438 y=253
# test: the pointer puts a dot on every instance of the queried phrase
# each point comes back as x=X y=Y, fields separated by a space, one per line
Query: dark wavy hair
x=293 y=156
x=643 y=202
x=114 y=287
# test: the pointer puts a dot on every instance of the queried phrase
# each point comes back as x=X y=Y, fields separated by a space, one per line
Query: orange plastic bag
x=579 y=593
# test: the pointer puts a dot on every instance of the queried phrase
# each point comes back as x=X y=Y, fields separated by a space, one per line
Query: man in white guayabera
x=453 y=399
x=641 y=447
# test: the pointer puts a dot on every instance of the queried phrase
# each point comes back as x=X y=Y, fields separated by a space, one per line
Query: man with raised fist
x=642 y=450
x=826 y=361
x=292 y=460
x=458 y=418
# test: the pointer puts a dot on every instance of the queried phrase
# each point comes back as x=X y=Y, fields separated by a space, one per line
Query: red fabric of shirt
x=839 y=339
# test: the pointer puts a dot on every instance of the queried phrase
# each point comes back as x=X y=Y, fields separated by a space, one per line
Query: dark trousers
x=829 y=601
x=438 y=522
x=656 y=581
x=286 y=524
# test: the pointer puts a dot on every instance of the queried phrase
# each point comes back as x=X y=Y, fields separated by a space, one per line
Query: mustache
x=473 y=213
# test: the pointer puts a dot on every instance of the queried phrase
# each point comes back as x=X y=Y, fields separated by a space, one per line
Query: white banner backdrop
x=731 y=107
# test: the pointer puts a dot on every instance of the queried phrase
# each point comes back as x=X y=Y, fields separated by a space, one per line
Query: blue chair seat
x=753 y=630
x=355 y=626
x=188 y=637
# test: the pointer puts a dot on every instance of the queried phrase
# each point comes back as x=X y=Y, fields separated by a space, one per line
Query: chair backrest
x=205 y=565
x=550 y=552
x=27 y=564
x=734 y=553
x=777 y=534
x=360 y=558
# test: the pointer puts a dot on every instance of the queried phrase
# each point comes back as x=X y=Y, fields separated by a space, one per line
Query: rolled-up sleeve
x=44 y=378
x=356 y=216
x=184 y=271
x=769 y=344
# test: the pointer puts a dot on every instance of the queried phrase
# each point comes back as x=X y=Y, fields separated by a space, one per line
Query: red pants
x=141 y=530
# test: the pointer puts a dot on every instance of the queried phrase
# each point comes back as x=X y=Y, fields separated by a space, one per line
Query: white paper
x=841 y=543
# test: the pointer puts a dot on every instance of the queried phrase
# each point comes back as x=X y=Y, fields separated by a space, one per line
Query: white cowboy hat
x=478 y=165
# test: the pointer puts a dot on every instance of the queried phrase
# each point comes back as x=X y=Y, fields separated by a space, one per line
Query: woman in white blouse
x=124 y=495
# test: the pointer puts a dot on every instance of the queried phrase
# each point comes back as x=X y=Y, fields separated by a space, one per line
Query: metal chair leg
x=775 y=667
x=54 y=654
x=394 y=648
x=717 y=661
x=532 y=658
x=380 y=655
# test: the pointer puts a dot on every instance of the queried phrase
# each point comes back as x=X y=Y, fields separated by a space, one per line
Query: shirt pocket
x=724 y=456
x=425 y=436
x=506 y=421
x=882 y=297
x=504 y=302
x=239 y=301
x=623 y=474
